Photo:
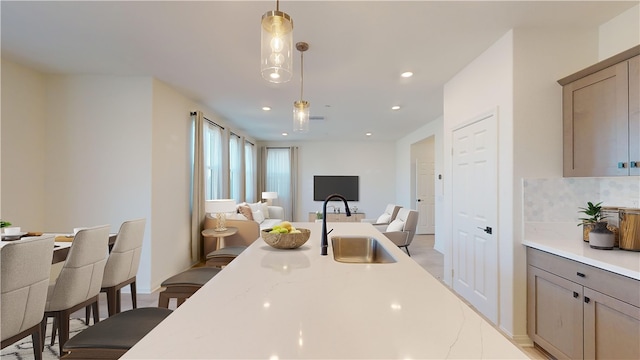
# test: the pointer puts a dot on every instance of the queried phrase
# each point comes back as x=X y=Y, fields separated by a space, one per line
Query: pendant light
x=301 y=108
x=276 y=46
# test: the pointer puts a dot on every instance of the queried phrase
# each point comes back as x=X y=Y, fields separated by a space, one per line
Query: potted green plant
x=594 y=216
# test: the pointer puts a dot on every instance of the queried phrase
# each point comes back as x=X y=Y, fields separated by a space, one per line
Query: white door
x=475 y=204
x=425 y=196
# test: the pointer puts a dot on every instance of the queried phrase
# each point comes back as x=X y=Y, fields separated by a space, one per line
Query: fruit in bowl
x=285 y=236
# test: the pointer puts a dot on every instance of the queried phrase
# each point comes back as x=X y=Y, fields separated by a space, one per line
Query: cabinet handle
x=580 y=274
x=633 y=164
x=622 y=165
x=575 y=294
x=586 y=299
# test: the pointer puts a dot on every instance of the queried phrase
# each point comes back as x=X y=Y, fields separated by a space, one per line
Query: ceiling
x=209 y=50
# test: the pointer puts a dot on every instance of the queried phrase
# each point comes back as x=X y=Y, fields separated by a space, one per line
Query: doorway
x=423 y=184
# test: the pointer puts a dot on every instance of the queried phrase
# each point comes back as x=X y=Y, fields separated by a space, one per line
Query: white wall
x=538 y=125
x=23 y=146
x=620 y=33
x=483 y=85
x=404 y=171
x=374 y=162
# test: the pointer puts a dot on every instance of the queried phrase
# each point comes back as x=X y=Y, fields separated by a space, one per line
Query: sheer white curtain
x=213 y=160
x=280 y=175
x=250 y=172
x=235 y=168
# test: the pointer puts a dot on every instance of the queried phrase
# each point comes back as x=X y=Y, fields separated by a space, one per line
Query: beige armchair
x=248 y=232
x=402 y=230
x=389 y=214
x=26 y=266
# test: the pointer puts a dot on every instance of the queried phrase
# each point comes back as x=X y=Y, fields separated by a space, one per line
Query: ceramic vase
x=600 y=237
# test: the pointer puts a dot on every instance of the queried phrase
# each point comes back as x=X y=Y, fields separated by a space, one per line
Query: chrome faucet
x=325 y=244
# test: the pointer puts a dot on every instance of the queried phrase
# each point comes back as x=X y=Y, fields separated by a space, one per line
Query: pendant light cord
x=301 y=74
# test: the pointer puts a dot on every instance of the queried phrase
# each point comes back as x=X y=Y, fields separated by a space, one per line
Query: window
x=250 y=172
x=280 y=176
x=213 y=161
x=235 y=167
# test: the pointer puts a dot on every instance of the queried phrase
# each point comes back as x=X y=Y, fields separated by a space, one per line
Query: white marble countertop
x=565 y=239
x=296 y=304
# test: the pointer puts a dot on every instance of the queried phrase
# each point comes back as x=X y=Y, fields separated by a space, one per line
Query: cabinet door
x=634 y=114
x=595 y=124
x=611 y=327
x=333 y=217
x=554 y=313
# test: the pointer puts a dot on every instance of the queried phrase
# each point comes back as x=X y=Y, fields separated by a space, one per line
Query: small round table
x=218 y=236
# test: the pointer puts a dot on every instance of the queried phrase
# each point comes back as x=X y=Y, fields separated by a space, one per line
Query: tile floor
x=421 y=251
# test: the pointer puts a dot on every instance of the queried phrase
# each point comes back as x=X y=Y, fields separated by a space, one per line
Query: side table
x=214 y=240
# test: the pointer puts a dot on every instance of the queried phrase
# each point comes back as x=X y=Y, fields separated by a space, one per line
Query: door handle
x=487 y=229
x=418 y=200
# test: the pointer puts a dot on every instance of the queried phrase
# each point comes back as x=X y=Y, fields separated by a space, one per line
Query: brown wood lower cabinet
x=569 y=318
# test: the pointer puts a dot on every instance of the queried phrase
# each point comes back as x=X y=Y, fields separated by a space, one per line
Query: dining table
x=61 y=245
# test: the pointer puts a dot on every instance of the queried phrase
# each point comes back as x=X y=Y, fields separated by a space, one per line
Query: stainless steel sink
x=360 y=250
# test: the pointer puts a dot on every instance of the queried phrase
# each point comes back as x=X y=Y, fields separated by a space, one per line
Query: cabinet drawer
x=614 y=285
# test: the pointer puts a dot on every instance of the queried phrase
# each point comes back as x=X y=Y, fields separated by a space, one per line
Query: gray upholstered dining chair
x=402 y=230
x=122 y=265
x=26 y=267
x=79 y=282
x=248 y=232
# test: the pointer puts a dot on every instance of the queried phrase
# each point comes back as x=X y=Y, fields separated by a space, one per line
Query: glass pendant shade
x=276 y=46
x=301 y=116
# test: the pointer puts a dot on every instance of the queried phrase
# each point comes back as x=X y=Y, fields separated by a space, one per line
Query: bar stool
x=115 y=335
x=185 y=284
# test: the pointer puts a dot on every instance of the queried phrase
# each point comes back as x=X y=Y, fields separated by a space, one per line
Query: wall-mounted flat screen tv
x=325 y=185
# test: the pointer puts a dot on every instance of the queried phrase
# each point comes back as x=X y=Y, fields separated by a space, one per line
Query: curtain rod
x=214 y=124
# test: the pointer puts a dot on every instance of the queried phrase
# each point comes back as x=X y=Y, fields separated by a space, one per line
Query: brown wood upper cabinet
x=601 y=118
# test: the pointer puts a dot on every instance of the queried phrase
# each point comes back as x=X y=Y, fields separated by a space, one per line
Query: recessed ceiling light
x=369 y=134
x=285 y=134
x=406 y=74
x=266 y=108
x=395 y=107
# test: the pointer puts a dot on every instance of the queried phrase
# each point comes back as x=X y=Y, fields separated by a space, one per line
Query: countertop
x=565 y=239
x=286 y=304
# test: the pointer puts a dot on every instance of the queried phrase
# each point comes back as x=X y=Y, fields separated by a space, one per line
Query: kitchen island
x=296 y=304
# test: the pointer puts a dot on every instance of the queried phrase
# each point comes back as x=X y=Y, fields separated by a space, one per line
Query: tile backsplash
x=558 y=199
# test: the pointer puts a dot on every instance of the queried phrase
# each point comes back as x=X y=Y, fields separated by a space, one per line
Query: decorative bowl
x=286 y=241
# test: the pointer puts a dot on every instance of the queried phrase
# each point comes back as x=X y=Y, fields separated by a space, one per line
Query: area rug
x=23 y=349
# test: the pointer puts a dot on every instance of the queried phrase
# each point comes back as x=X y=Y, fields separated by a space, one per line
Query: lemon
x=285 y=224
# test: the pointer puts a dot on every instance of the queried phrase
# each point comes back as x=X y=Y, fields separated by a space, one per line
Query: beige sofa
x=265 y=215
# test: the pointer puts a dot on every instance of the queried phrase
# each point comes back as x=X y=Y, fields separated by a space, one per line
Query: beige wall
x=23 y=141
x=620 y=33
x=102 y=149
x=171 y=186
